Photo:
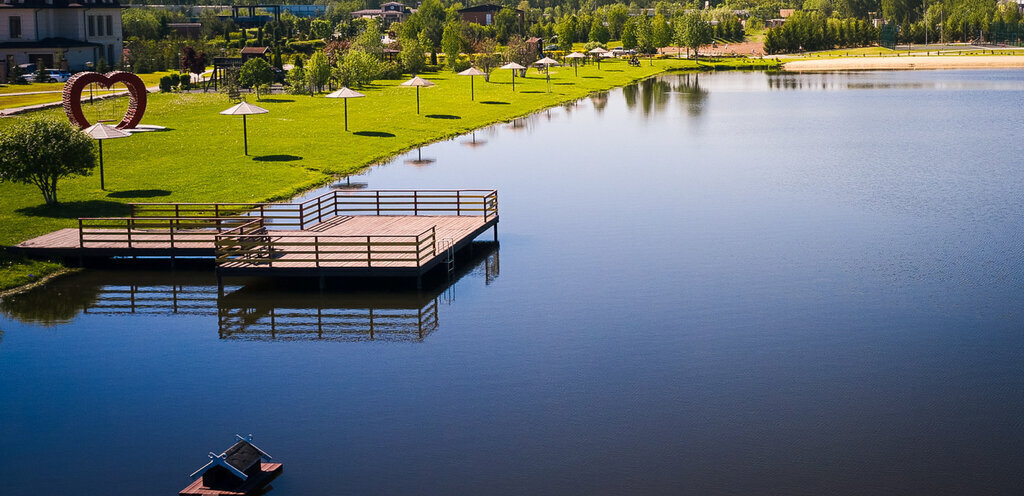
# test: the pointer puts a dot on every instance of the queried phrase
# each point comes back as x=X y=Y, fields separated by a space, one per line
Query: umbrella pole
x=513 y=79
x=102 y=186
x=472 y=96
x=245 y=135
x=346 y=114
x=417 y=100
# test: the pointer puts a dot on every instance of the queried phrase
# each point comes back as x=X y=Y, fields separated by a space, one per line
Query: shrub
x=165 y=84
x=43 y=151
x=185 y=82
x=175 y=79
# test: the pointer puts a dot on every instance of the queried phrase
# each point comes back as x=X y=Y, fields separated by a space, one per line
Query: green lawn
x=298 y=145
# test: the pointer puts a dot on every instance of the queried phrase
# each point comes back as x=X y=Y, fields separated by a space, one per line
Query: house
x=484 y=15
x=388 y=13
x=190 y=30
x=239 y=469
x=251 y=52
x=64 y=34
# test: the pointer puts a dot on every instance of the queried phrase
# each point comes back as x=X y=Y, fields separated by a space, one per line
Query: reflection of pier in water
x=258 y=312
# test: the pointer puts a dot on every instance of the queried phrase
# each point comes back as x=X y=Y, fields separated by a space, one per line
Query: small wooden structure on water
x=383 y=233
x=240 y=470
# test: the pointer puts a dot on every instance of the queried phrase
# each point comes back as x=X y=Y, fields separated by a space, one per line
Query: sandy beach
x=921 y=62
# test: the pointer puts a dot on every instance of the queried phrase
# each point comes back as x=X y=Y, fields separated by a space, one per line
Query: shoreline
x=908 y=63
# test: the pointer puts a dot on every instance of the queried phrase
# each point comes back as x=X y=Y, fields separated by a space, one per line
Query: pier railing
x=459 y=202
x=149 y=232
x=238 y=248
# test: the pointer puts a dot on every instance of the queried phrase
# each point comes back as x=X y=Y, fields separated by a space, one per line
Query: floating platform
x=254 y=485
x=342 y=233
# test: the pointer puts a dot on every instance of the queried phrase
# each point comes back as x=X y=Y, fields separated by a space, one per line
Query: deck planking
x=270 y=471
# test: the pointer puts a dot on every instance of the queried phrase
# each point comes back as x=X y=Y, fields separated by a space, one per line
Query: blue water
x=734 y=283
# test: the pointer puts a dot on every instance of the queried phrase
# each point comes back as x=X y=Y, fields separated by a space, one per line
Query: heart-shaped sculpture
x=136 y=96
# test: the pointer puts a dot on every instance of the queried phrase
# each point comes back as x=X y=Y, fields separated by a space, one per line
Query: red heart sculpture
x=136 y=96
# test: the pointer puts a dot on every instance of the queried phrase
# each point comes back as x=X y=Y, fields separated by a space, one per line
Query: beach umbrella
x=417 y=82
x=100 y=132
x=514 y=66
x=243 y=109
x=472 y=71
x=575 y=56
x=598 y=53
x=547 y=62
x=345 y=94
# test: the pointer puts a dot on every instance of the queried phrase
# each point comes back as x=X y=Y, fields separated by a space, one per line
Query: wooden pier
x=403 y=233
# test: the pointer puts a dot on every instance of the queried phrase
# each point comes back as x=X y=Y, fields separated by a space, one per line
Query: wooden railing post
x=81 y=234
x=415 y=203
x=319 y=209
x=369 y=257
x=316 y=249
x=170 y=230
x=130 y=223
x=378 y=203
x=458 y=203
x=433 y=238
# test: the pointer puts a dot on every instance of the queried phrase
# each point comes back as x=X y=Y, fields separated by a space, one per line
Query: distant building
x=784 y=13
x=186 y=29
x=251 y=52
x=64 y=34
x=484 y=14
x=388 y=13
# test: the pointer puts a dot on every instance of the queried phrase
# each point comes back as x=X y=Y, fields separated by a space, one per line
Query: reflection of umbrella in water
x=419 y=160
x=514 y=66
x=575 y=56
x=472 y=71
x=243 y=109
x=418 y=82
x=100 y=132
x=348 y=184
x=547 y=62
x=345 y=93
x=473 y=143
x=598 y=52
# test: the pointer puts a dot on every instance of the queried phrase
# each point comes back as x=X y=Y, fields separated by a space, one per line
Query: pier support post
x=495 y=232
x=220 y=286
x=419 y=282
x=323 y=282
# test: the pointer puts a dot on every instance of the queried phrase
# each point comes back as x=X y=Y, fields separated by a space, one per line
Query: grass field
x=301 y=143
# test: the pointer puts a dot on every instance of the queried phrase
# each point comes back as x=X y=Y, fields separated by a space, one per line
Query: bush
x=185 y=82
x=175 y=79
x=460 y=65
x=306 y=47
x=165 y=84
x=295 y=81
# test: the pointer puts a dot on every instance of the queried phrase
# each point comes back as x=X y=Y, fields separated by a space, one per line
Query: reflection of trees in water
x=688 y=87
x=56 y=302
x=654 y=95
x=630 y=92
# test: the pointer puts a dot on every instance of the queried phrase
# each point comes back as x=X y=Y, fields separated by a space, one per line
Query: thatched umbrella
x=345 y=94
x=472 y=71
x=100 y=132
x=243 y=109
x=514 y=66
x=547 y=62
x=575 y=56
x=418 y=82
x=598 y=53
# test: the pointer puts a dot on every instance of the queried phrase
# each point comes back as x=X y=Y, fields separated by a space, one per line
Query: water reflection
x=600 y=101
x=272 y=310
x=419 y=161
x=690 y=91
x=832 y=81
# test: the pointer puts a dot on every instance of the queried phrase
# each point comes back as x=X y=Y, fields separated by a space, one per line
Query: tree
x=598 y=31
x=140 y=23
x=318 y=71
x=617 y=16
x=369 y=40
x=321 y=29
x=229 y=84
x=411 y=56
x=644 y=35
x=451 y=43
x=43 y=151
x=506 y=24
x=566 y=30
x=255 y=73
x=693 y=31
x=431 y=17
x=662 y=31
x=629 y=39
x=192 y=62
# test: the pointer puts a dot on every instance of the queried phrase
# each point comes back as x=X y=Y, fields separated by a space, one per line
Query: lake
x=715 y=284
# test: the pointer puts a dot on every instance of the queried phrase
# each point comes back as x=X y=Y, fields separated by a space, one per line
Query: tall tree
x=43 y=151
x=598 y=31
x=451 y=43
x=256 y=73
x=693 y=31
x=318 y=71
x=506 y=24
x=662 y=31
x=617 y=16
x=431 y=17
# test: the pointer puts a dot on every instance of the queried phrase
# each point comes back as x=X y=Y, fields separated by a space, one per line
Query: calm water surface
x=717 y=284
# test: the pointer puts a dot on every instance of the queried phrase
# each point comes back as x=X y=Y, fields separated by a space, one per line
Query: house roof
x=490 y=7
x=255 y=50
x=237 y=459
x=59 y=4
x=49 y=43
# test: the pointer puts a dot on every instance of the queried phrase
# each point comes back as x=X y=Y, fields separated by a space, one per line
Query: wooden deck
x=364 y=233
x=252 y=486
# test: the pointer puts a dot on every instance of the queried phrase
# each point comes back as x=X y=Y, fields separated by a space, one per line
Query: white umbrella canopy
x=598 y=50
x=472 y=71
x=345 y=93
x=418 y=83
x=100 y=132
x=575 y=55
x=244 y=108
x=546 y=61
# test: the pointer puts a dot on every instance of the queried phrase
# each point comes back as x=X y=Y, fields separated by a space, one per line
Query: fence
x=154 y=232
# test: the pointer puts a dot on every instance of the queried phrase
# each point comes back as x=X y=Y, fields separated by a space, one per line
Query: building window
x=488 y=21
x=110 y=26
x=110 y=54
x=92 y=25
x=15 y=26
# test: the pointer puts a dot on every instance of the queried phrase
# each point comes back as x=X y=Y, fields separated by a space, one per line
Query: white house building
x=65 y=34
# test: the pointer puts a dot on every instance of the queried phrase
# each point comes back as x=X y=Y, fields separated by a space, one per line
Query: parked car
x=49 y=75
x=620 y=52
x=551 y=48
